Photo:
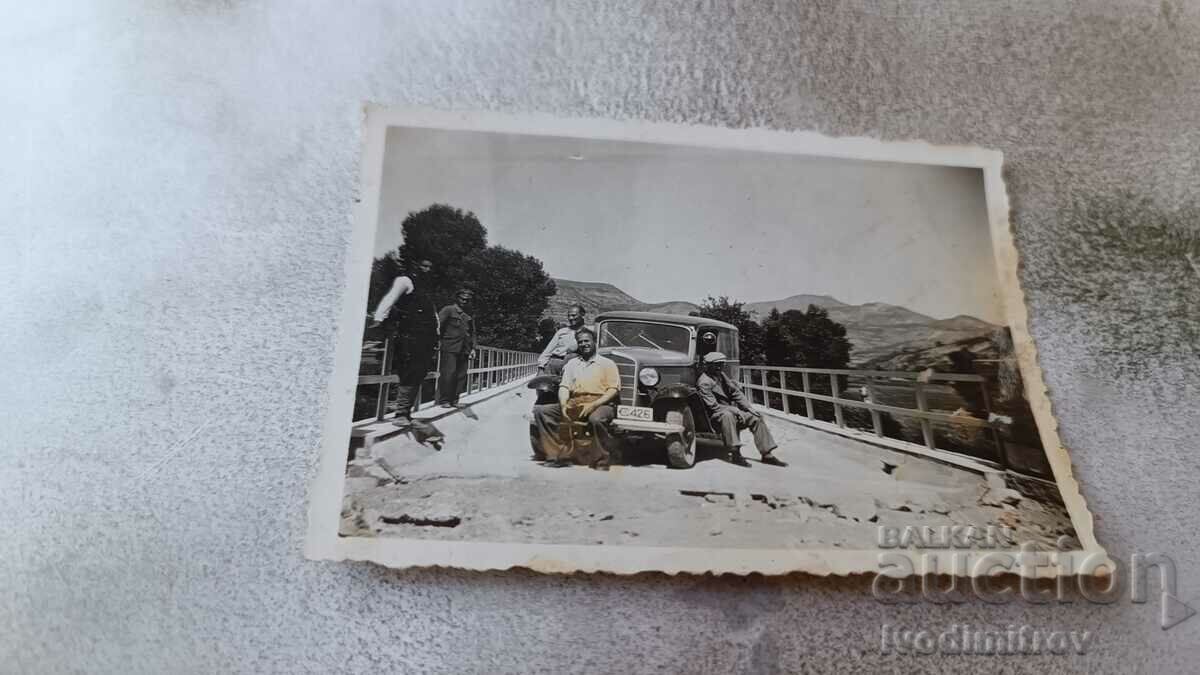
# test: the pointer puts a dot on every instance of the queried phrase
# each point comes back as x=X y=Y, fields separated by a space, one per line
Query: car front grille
x=628 y=370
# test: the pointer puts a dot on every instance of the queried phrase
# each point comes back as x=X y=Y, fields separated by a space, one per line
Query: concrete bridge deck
x=484 y=486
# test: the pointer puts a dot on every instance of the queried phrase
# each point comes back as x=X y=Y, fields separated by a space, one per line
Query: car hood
x=645 y=356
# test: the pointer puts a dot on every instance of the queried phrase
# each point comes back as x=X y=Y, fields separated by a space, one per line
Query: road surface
x=484 y=486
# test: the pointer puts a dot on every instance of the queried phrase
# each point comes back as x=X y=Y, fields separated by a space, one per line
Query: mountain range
x=879 y=332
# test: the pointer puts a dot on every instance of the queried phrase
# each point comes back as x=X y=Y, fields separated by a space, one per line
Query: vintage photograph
x=624 y=343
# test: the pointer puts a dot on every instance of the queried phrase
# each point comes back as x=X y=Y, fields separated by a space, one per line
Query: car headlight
x=648 y=376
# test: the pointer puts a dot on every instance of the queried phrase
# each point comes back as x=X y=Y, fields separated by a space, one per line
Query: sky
x=669 y=222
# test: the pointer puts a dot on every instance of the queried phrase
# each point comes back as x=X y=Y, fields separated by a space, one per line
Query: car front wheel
x=681 y=448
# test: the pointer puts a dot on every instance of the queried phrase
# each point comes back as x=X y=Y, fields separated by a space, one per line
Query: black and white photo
x=574 y=345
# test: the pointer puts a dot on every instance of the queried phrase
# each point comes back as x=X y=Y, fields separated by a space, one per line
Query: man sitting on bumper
x=589 y=383
x=730 y=412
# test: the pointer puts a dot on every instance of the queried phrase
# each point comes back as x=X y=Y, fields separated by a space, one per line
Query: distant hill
x=599 y=297
x=878 y=331
x=674 y=307
x=800 y=302
x=922 y=354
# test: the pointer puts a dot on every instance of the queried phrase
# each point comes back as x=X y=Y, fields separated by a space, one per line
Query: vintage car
x=658 y=356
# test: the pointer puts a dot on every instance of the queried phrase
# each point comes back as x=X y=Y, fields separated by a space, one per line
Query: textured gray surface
x=176 y=190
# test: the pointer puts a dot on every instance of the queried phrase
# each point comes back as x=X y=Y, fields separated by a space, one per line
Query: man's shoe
x=773 y=460
x=736 y=458
x=602 y=465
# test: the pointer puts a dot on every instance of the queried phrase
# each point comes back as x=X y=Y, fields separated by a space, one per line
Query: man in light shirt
x=410 y=320
x=562 y=347
x=590 y=383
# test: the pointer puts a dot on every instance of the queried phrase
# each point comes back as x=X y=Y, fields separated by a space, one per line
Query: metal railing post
x=787 y=408
x=384 y=388
x=876 y=419
x=439 y=363
x=1001 y=453
x=926 y=425
x=808 y=404
x=836 y=388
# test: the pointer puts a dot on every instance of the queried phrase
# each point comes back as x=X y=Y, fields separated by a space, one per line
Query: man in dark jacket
x=410 y=321
x=730 y=412
x=458 y=346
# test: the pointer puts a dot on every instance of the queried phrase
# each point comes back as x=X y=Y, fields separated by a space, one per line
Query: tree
x=512 y=290
x=750 y=333
x=808 y=339
x=443 y=235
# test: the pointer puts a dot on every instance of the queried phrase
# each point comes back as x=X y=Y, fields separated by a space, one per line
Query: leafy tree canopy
x=511 y=292
x=750 y=333
x=511 y=289
x=808 y=339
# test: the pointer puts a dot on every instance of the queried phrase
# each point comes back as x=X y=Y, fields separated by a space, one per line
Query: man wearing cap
x=730 y=412
x=562 y=347
x=458 y=345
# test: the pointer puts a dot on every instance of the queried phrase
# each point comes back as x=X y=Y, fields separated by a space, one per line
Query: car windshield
x=646 y=335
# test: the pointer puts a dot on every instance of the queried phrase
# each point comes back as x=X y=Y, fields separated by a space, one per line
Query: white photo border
x=325 y=498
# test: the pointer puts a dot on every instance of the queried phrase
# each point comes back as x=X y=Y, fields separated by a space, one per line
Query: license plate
x=633 y=412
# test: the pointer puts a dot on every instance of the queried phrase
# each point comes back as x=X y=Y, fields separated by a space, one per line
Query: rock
x=574 y=513
x=400 y=452
x=361 y=484
x=369 y=468
x=436 y=519
x=714 y=532
x=924 y=471
x=1004 y=497
x=861 y=510
x=371 y=519
x=377 y=471
x=359 y=467
x=894 y=503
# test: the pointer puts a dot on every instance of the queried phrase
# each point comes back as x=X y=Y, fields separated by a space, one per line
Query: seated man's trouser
x=550 y=433
x=730 y=420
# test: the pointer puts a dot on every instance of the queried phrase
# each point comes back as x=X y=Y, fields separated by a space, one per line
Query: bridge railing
x=490 y=367
x=833 y=381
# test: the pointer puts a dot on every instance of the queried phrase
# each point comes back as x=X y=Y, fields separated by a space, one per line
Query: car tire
x=681 y=448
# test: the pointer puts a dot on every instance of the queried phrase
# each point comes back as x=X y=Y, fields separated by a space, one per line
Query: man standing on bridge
x=730 y=412
x=411 y=323
x=458 y=344
x=589 y=384
x=562 y=347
